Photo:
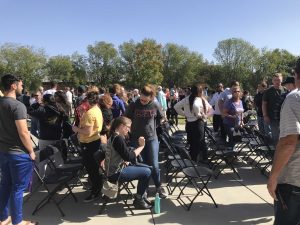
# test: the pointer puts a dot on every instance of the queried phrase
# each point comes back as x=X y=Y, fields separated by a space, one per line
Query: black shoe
x=149 y=202
x=162 y=193
x=139 y=203
x=92 y=197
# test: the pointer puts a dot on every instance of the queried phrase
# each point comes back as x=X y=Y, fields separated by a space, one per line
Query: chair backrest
x=46 y=153
x=209 y=135
x=170 y=149
x=41 y=165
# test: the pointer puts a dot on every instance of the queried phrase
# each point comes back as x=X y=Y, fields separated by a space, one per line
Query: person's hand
x=32 y=155
x=267 y=119
x=141 y=141
x=102 y=163
x=103 y=139
x=75 y=129
x=272 y=185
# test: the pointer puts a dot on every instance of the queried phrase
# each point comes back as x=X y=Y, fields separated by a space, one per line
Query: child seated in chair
x=117 y=154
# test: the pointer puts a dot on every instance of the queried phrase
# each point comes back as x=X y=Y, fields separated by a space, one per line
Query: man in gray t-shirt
x=16 y=152
x=11 y=110
x=284 y=180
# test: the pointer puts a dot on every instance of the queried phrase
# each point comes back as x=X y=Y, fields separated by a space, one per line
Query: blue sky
x=66 y=26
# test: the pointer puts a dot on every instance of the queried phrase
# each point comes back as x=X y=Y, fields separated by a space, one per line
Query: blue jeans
x=129 y=173
x=287 y=207
x=275 y=131
x=150 y=157
x=15 y=174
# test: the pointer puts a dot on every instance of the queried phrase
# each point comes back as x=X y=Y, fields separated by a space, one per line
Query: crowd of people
x=125 y=120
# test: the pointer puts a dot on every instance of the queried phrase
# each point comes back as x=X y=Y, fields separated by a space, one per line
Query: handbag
x=110 y=189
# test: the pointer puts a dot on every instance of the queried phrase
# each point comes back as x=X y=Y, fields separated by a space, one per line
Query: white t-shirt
x=197 y=110
x=50 y=91
x=214 y=102
x=69 y=96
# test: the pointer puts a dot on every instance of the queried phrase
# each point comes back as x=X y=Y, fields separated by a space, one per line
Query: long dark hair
x=196 y=91
x=116 y=123
x=62 y=97
x=49 y=99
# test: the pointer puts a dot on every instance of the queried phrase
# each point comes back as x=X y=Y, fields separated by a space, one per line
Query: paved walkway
x=241 y=202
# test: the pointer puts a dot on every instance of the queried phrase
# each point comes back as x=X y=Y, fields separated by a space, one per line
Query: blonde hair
x=148 y=90
x=93 y=88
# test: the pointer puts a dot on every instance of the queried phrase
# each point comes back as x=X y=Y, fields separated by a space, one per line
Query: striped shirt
x=290 y=125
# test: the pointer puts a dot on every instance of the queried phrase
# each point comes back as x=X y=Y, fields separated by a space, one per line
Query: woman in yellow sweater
x=89 y=136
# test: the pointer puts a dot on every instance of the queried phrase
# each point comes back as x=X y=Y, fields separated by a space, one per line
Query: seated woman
x=233 y=114
x=117 y=154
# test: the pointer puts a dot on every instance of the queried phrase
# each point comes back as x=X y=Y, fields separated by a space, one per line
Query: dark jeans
x=287 y=208
x=195 y=135
x=15 y=174
x=129 y=173
x=228 y=131
x=218 y=124
x=91 y=165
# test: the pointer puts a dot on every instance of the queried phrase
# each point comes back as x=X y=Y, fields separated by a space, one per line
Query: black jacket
x=50 y=121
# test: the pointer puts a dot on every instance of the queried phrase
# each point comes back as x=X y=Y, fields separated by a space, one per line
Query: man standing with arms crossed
x=271 y=106
x=284 y=180
x=16 y=152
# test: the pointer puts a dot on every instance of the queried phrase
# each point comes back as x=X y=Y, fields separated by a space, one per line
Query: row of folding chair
x=222 y=157
x=261 y=151
x=185 y=172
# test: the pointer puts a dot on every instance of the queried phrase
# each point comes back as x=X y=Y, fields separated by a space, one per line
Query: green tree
x=272 y=61
x=211 y=75
x=128 y=59
x=79 y=69
x=103 y=63
x=24 y=61
x=59 y=68
x=148 y=65
x=238 y=57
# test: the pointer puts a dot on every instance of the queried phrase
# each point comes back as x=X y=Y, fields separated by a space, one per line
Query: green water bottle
x=157 y=204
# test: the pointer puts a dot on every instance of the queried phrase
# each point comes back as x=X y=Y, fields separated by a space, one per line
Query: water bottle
x=157 y=204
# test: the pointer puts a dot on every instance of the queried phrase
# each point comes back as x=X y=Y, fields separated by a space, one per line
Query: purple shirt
x=118 y=107
x=233 y=108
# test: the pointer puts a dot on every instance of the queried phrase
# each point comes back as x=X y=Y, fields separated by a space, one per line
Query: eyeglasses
x=236 y=92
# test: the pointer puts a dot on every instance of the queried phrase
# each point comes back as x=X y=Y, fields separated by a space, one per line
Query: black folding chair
x=55 y=177
x=198 y=176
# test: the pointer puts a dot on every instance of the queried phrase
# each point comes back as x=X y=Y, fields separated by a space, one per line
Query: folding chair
x=55 y=177
x=99 y=156
x=198 y=176
x=174 y=164
x=266 y=150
